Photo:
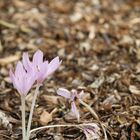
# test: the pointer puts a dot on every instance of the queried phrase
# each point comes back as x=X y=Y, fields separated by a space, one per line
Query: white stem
x=31 y=111
x=90 y=109
x=59 y=125
x=23 y=117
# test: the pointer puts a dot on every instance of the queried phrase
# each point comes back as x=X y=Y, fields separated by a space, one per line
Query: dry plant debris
x=99 y=43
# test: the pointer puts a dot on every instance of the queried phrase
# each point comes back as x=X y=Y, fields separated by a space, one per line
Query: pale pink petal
x=26 y=61
x=75 y=111
x=12 y=77
x=38 y=57
x=87 y=134
x=22 y=80
x=91 y=131
x=29 y=83
x=53 y=65
x=19 y=70
x=64 y=92
x=41 y=74
x=19 y=84
x=73 y=94
x=42 y=69
x=81 y=95
x=23 y=87
x=25 y=84
x=94 y=126
x=91 y=135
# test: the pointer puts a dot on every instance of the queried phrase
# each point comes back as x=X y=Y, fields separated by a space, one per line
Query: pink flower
x=22 y=80
x=41 y=68
x=71 y=96
x=91 y=131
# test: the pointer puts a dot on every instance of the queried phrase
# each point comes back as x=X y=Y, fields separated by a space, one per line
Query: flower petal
x=29 y=83
x=91 y=131
x=20 y=71
x=22 y=80
x=38 y=58
x=64 y=92
x=81 y=94
x=12 y=77
x=53 y=65
x=75 y=111
x=26 y=61
x=73 y=94
x=41 y=72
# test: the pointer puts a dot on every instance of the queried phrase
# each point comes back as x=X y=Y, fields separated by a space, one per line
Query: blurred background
x=81 y=32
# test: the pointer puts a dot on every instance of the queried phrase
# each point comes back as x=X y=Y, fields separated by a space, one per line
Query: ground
x=98 y=42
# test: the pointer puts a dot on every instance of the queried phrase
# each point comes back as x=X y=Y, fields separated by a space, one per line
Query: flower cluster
x=27 y=72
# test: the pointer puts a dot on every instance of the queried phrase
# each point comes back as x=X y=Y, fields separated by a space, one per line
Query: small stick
x=6 y=24
x=132 y=137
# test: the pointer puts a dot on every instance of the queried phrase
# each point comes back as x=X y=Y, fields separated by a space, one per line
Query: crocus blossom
x=91 y=131
x=71 y=96
x=22 y=80
x=41 y=68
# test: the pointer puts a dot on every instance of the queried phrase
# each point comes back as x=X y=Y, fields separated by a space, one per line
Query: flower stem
x=90 y=109
x=59 y=125
x=31 y=111
x=23 y=117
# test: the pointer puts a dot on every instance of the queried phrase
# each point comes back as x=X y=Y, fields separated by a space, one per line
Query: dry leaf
x=9 y=59
x=122 y=119
x=51 y=99
x=76 y=17
x=133 y=89
x=98 y=82
x=4 y=121
x=46 y=117
x=138 y=134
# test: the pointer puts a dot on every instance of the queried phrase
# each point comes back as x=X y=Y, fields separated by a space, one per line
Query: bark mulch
x=99 y=44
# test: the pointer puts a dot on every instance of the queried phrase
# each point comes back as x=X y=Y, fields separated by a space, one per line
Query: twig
x=6 y=136
x=6 y=24
x=132 y=135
